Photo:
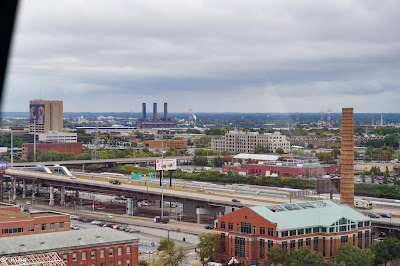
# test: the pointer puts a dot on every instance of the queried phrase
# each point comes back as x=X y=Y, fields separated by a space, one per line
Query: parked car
x=373 y=215
x=385 y=215
x=235 y=200
x=108 y=216
x=28 y=203
x=159 y=219
x=210 y=226
x=115 y=182
x=382 y=234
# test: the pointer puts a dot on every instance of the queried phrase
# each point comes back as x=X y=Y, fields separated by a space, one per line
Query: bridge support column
x=62 y=192
x=23 y=188
x=14 y=184
x=51 y=202
x=131 y=206
x=77 y=193
x=33 y=190
x=212 y=211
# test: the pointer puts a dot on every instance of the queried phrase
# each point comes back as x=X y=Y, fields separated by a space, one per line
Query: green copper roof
x=299 y=215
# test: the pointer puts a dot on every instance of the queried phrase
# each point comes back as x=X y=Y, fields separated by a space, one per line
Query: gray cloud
x=248 y=56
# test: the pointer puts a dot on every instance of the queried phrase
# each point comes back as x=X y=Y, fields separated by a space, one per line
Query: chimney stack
x=165 y=112
x=143 y=110
x=154 y=111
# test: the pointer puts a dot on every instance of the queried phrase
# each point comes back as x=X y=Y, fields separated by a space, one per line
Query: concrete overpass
x=108 y=162
x=200 y=203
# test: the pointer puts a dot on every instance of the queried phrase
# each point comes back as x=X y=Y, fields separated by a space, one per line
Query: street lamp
x=162 y=175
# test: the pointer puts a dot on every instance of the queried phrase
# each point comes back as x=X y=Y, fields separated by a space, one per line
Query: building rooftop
x=308 y=214
x=258 y=157
x=20 y=245
x=12 y=216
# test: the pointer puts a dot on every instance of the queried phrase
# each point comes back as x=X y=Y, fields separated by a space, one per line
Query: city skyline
x=225 y=56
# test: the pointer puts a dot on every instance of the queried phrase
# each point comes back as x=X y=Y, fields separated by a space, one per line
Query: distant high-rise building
x=45 y=116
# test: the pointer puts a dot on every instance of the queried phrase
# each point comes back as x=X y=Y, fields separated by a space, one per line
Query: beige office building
x=45 y=116
x=241 y=141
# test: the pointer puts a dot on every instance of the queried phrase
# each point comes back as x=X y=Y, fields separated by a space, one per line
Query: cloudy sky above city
x=210 y=55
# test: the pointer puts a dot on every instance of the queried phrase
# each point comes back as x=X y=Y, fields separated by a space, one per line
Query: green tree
x=278 y=256
x=218 y=161
x=315 y=173
x=372 y=178
x=280 y=150
x=363 y=176
x=303 y=253
x=173 y=256
x=143 y=263
x=385 y=178
x=353 y=256
x=249 y=161
x=199 y=160
x=166 y=243
x=307 y=173
x=381 y=253
x=261 y=149
x=208 y=246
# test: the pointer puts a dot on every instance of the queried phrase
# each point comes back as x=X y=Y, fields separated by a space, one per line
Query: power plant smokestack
x=165 y=112
x=154 y=111
x=144 y=110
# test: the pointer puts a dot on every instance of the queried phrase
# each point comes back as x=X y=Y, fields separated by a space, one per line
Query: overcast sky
x=210 y=55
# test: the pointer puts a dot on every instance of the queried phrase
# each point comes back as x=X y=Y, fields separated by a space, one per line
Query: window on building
x=300 y=243
x=354 y=239
x=285 y=233
x=360 y=240
x=245 y=228
x=74 y=256
x=316 y=244
x=270 y=231
x=308 y=230
x=323 y=229
x=342 y=228
x=360 y=224
x=366 y=239
x=102 y=264
x=344 y=239
x=262 y=248
x=262 y=230
x=52 y=226
x=92 y=255
x=128 y=262
x=284 y=246
x=316 y=230
x=222 y=242
x=230 y=226
x=240 y=247
x=110 y=252
x=43 y=226
x=31 y=229
x=222 y=225
x=331 y=229
x=83 y=255
x=237 y=227
x=293 y=232
x=368 y=223
x=102 y=253
x=331 y=247
x=110 y=263
x=270 y=245
x=128 y=250
x=300 y=232
x=292 y=245
x=119 y=251
x=323 y=246
x=120 y=263
x=65 y=257
x=308 y=242
x=61 y=225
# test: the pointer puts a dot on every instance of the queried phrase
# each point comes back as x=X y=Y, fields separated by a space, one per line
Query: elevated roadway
x=107 y=161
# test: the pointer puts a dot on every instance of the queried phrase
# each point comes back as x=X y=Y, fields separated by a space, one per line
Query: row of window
x=52 y=226
x=13 y=230
x=246 y=228
x=93 y=254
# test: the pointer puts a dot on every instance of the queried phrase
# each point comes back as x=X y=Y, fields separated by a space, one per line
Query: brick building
x=157 y=144
x=99 y=246
x=75 y=148
x=15 y=223
x=283 y=169
x=249 y=234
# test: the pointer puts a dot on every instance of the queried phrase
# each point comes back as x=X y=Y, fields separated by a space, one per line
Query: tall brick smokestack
x=347 y=155
x=165 y=111
x=154 y=111
x=144 y=110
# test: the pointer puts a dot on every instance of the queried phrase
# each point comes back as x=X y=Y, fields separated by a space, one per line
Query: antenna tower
x=330 y=121
x=190 y=116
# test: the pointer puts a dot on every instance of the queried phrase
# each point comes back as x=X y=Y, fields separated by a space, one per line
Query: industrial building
x=45 y=116
x=16 y=223
x=283 y=169
x=158 y=144
x=155 y=122
x=99 y=246
x=242 y=141
x=75 y=148
x=248 y=234
x=52 y=137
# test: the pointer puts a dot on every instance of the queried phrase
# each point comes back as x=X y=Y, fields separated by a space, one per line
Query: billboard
x=168 y=164
x=36 y=113
x=327 y=185
x=3 y=150
x=3 y=166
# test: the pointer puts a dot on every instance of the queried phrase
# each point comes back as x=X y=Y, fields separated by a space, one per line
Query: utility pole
x=34 y=140
x=12 y=150
x=162 y=175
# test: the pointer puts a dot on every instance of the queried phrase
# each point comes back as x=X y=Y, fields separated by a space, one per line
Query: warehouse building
x=249 y=234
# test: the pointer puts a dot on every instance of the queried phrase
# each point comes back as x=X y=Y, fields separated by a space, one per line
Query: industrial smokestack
x=165 y=112
x=347 y=156
x=144 y=110
x=154 y=111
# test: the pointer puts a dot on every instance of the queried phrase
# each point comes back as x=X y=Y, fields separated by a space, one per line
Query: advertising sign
x=3 y=150
x=3 y=166
x=36 y=113
x=168 y=165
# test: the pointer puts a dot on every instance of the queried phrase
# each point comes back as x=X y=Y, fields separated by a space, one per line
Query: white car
x=28 y=203
x=72 y=177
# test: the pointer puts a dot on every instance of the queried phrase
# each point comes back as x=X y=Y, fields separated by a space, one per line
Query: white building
x=241 y=141
x=58 y=137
